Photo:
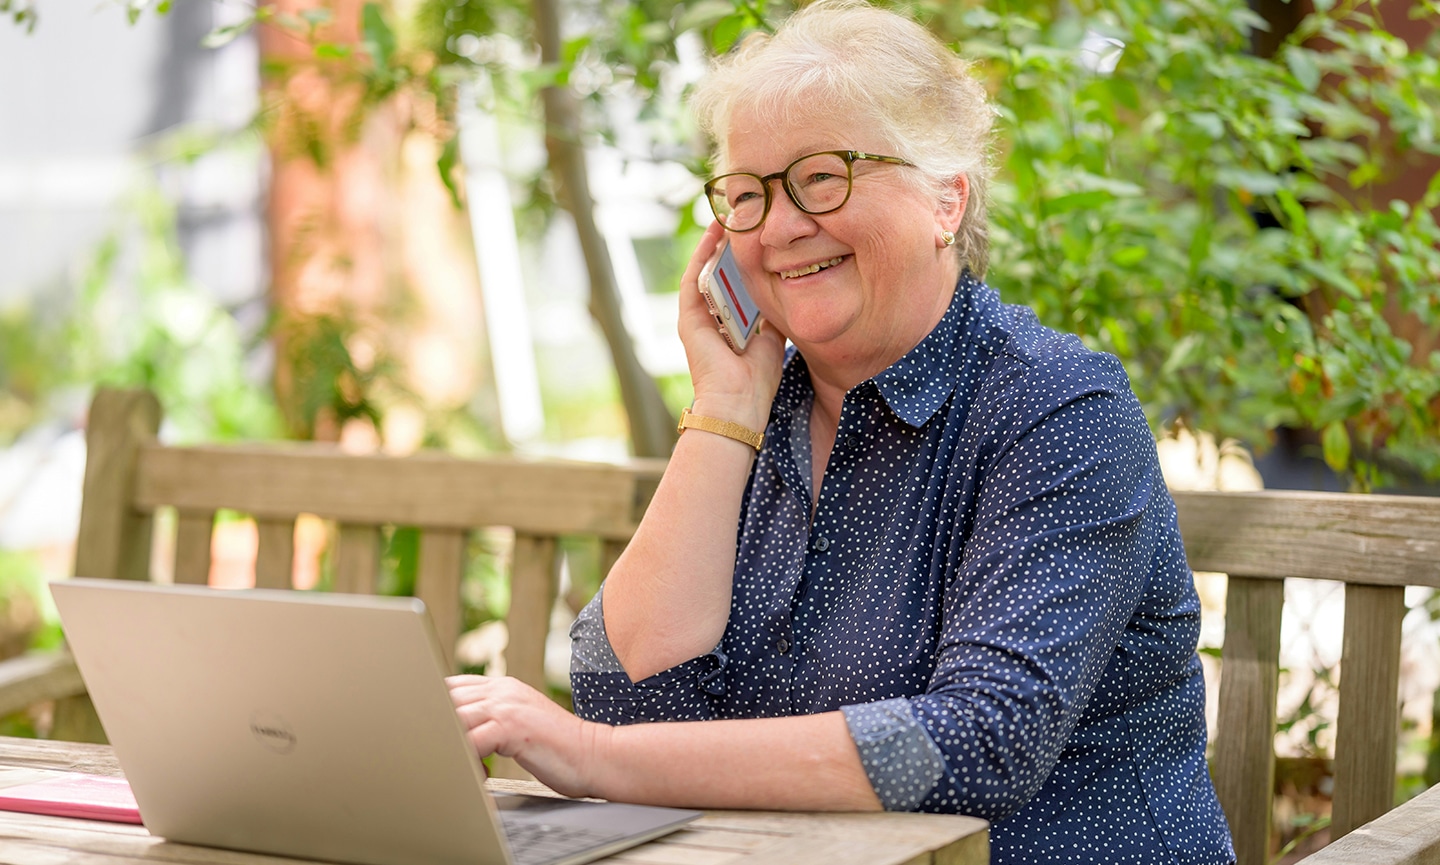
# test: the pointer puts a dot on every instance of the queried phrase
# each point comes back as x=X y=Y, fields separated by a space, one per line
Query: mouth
x=811 y=268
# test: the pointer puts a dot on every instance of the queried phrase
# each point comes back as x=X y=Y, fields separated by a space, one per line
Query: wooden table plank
x=718 y=838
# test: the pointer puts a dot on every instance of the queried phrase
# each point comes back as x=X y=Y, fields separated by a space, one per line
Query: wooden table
x=718 y=838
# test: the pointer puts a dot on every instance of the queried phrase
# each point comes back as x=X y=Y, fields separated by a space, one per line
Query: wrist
x=742 y=411
x=596 y=779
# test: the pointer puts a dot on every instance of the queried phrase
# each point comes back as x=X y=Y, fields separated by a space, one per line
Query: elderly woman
x=957 y=584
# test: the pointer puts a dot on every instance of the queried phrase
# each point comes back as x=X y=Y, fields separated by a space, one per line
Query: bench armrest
x=1408 y=835
x=36 y=677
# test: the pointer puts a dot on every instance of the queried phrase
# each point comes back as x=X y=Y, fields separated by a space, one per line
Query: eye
x=743 y=197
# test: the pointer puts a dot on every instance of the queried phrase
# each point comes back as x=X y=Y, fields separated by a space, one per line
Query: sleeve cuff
x=901 y=760
x=603 y=692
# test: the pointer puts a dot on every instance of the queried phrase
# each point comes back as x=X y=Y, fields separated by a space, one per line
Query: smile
x=813 y=268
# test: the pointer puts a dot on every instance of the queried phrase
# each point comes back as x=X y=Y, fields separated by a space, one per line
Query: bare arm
x=798 y=763
x=667 y=599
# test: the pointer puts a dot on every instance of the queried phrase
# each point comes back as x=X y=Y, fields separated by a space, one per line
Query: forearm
x=667 y=599
x=801 y=763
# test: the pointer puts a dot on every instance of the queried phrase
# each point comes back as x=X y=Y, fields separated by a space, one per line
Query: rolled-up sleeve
x=603 y=691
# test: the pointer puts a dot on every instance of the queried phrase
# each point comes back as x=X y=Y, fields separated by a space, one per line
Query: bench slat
x=192 y=546
x=1383 y=540
x=357 y=561
x=35 y=678
x=610 y=554
x=551 y=498
x=275 y=559
x=533 y=584
x=1244 y=764
x=114 y=538
x=1369 y=718
x=442 y=564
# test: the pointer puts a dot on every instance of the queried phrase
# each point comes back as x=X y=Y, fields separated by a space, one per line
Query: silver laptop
x=309 y=725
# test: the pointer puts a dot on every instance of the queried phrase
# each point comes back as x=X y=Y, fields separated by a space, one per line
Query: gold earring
x=948 y=238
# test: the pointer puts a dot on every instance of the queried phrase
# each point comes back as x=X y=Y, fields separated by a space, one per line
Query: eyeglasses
x=818 y=183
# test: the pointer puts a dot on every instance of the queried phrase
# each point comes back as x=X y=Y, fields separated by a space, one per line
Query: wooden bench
x=129 y=475
x=1376 y=545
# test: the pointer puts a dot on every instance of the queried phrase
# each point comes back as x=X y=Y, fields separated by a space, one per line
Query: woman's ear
x=952 y=209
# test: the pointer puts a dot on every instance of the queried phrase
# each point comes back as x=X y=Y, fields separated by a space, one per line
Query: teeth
x=814 y=268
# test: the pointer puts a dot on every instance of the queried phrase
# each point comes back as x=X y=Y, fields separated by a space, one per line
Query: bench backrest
x=129 y=475
x=1375 y=545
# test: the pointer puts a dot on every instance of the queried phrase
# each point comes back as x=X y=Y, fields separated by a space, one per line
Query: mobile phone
x=728 y=299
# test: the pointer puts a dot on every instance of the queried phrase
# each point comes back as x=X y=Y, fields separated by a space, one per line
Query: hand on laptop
x=507 y=717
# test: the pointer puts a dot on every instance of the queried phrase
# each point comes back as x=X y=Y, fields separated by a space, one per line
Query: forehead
x=766 y=141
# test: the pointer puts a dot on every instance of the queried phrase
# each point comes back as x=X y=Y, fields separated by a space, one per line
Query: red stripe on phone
x=735 y=301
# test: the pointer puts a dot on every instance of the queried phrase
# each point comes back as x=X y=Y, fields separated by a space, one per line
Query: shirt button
x=852 y=441
x=822 y=543
x=783 y=645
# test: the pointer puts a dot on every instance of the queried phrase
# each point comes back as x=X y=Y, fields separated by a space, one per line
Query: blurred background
x=460 y=224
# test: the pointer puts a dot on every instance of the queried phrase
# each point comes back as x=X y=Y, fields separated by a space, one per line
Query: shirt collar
x=916 y=385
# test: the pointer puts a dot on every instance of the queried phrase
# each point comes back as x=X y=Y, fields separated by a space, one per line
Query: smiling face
x=857 y=288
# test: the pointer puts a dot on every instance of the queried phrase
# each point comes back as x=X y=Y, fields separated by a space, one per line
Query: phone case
x=729 y=300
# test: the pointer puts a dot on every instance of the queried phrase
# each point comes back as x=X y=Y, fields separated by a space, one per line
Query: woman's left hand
x=507 y=717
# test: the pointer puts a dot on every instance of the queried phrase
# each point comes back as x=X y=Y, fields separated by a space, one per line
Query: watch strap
x=728 y=429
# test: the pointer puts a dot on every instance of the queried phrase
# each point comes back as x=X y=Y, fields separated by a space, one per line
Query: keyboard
x=536 y=843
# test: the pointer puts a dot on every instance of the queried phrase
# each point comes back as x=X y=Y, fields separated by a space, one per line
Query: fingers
x=704 y=251
x=694 y=312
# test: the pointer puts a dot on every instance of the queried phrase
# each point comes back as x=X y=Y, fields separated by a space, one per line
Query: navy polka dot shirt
x=992 y=590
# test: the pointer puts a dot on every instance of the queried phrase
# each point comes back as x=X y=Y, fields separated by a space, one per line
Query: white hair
x=873 y=64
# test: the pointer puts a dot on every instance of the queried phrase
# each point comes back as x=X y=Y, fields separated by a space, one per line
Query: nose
x=786 y=222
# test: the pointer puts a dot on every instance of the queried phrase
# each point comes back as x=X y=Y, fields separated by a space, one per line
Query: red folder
x=91 y=797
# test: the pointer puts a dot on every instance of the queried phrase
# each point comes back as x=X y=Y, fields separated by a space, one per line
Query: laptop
x=310 y=725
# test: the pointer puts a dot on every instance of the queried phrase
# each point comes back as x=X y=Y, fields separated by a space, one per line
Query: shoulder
x=1034 y=369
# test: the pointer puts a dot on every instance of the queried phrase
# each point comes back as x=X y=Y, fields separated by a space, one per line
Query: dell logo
x=272 y=731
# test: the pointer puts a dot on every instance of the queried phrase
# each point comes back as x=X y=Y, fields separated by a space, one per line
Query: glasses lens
x=820 y=183
x=738 y=200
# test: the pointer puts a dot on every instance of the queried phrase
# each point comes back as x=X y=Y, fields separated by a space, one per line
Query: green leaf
x=703 y=14
x=726 y=31
x=1076 y=201
x=1210 y=122
x=1336 y=443
x=225 y=35
x=332 y=51
x=317 y=16
x=1294 y=211
x=1301 y=62
x=379 y=39
x=1129 y=256
x=1254 y=182
x=449 y=159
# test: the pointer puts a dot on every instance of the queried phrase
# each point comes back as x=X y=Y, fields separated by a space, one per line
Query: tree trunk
x=652 y=427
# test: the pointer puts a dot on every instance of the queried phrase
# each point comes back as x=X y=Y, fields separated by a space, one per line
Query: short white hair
x=878 y=65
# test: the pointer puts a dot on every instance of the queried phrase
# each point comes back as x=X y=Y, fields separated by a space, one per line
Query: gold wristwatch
x=728 y=429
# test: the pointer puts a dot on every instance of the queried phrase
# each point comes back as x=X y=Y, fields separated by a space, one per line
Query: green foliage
x=134 y=319
x=139 y=321
x=1212 y=217
x=328 y=386
x=21 y=12
x=1206 y=214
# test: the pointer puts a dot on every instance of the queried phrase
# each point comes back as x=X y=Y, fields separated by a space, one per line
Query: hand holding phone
x=728 y=299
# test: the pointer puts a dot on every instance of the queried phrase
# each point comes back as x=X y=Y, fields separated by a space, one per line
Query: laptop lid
x=303 y=724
